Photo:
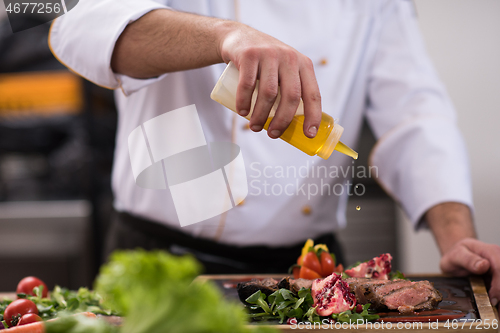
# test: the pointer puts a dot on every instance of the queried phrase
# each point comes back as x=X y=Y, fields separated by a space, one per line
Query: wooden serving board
x=465 y=307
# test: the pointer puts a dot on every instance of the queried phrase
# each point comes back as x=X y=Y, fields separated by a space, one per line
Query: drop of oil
x=358 y=208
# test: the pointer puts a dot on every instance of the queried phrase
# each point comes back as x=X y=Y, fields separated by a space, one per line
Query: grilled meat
x=270 y=285
x=402 y=295
x=420 y=296
x=266 y=286
x=297 y=284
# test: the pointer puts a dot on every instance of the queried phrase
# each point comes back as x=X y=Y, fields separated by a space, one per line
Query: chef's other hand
x=471 y=256
x=261 y=57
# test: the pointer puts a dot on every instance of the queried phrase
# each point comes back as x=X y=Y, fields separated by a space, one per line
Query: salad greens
x=350 y=316
x=62 y=299
x=283 y=304
x=397 y=275
x=156 y=293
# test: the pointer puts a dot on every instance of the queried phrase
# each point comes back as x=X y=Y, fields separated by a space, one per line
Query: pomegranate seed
x=291 y=321
x=359 y=308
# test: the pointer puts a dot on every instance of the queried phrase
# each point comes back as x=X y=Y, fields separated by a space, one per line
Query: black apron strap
x=130 y=232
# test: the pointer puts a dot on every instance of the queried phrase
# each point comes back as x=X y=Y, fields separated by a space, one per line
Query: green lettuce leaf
x=156 y=293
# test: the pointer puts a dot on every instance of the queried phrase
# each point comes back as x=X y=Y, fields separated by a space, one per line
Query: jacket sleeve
x=420 y=154
x=84 y=38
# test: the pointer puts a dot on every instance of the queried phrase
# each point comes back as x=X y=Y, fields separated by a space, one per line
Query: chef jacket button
x=323 y=61
x=246 y=126
x=306 y=210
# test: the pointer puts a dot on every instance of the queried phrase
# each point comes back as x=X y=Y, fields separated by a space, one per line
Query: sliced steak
x=284 y=283
x=391 y=286
x=269 y=285
x=294 y=285
x=365 y=281
x=266 y=286
x=402 y=295
x=420 y=295
x=297 y=284
x=363 y=290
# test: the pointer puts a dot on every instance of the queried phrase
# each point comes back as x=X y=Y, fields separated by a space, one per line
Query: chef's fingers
x=290 y=97
x=311 y=98
x=266 y=95
x=491 y=252
x=494 y=291
x=462 y=261
x=476 y=257
x=248 y=69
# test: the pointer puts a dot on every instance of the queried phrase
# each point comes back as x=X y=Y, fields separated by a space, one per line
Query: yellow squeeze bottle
x=323 y=144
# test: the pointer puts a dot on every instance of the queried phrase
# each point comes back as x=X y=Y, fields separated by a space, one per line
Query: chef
x=350 y=59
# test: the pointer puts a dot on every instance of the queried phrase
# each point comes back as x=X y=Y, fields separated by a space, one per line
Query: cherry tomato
x=311 y=261
x=26 y=285
x=17 y=309
x=339 y=269
x=28 y=319
x=306 y=273
x=299 y=260
x=327 y=264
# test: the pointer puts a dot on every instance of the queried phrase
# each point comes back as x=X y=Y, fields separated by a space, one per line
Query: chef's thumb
x=481 y=266
x=462 y=261
x=473 y=262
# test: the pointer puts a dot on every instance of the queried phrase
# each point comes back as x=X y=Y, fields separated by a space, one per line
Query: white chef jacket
x=369 y=62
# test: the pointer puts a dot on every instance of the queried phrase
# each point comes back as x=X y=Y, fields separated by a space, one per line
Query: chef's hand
x=261 y=57
x=164 y=41
x=462 y=254
x=471 y=256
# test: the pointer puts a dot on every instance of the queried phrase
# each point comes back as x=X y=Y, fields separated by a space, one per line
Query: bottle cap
x=331 y=141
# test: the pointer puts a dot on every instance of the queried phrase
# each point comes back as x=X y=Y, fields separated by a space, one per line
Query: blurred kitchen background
x=57 y=136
